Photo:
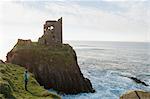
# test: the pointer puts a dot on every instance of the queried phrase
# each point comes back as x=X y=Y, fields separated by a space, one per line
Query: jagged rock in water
x=137 y=80
x=136 y=95
x=53 y=66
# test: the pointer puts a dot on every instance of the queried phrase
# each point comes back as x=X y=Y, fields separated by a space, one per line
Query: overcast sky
x=99 y=20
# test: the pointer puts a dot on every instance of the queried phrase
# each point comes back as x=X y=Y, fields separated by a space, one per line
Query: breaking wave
x=109 y=64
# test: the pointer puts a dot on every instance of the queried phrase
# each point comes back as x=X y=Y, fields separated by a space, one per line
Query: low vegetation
x=12 y=85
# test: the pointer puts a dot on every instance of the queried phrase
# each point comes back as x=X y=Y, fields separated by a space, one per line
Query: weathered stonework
x=24 y=42
x=52 y=32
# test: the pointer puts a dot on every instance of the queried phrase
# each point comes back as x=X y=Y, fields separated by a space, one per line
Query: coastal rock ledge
x=53 y=66
x=136 y=94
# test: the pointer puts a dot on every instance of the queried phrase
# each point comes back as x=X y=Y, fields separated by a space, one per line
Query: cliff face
x=53 y=66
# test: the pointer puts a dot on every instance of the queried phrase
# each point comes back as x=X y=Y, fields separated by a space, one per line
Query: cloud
x=132 y=20
x=126 y=21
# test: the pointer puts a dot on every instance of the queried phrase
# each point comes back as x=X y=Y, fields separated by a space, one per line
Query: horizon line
x=109 y=41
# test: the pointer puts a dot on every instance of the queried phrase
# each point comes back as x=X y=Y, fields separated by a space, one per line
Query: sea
x=109 y=65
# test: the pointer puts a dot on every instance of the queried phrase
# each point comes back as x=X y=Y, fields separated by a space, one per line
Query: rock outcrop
x=135 y=79
x=1 y=62
x=53 y=66
x=136 y=95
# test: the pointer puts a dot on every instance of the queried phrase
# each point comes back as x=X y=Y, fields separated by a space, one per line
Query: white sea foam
x=107 y=69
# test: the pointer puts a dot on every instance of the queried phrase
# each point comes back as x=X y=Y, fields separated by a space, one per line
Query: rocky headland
x=54 y=66
x=53 y=63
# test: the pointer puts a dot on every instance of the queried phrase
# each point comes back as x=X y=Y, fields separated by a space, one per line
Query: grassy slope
x=12 y=85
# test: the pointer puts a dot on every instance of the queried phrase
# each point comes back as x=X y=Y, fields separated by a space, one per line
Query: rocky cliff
x=53 y=66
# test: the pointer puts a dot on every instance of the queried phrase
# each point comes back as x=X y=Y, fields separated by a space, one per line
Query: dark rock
x=137 y=80
x=1 y=62
x=53 y=66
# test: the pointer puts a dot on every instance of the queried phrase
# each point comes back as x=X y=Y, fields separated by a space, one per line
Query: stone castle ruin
x=48 y=63
x=24 y=42
x=52 y=32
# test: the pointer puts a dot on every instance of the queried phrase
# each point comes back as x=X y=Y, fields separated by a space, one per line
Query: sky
x=92 y=20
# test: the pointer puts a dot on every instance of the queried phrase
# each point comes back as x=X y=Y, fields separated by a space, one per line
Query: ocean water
x=107 y=63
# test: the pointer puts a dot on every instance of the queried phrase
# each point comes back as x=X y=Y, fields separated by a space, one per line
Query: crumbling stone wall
x=24 y=42
x=52 y=32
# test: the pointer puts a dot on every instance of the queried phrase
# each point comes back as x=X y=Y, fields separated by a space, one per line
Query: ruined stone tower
x=52 y=32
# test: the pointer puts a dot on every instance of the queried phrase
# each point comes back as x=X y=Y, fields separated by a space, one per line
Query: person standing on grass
x=26 y=79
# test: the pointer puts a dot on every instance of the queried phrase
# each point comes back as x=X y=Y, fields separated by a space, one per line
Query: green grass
x=12 y=85
x=60 y=53
x=35 y=45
